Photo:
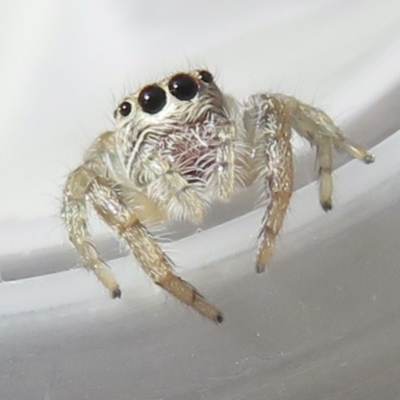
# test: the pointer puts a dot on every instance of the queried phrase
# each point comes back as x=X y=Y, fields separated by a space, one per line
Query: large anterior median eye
x=152 y=99
x=183 y=87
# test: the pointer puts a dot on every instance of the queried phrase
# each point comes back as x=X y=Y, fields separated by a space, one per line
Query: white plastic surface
x=322 y=323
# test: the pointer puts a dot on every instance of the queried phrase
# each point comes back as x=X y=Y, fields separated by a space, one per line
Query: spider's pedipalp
x=180 y=199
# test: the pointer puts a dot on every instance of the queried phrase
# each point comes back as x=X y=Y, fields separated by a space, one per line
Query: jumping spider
x=179 y=145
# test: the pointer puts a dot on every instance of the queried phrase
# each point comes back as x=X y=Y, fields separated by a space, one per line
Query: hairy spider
x=177 y=146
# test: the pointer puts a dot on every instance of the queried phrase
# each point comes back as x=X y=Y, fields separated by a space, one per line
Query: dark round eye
x=125 y=108
x=152 y=99
x=205 y=76
x=183 y=87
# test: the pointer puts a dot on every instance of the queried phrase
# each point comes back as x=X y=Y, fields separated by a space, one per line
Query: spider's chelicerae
x=180 y=144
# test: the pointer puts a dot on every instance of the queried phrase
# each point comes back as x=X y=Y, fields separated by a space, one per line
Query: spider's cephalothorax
x=176 y=141
x=180 y=144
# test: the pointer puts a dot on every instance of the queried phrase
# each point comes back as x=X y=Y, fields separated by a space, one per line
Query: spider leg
x=324 y=161
x=319 y=129
x=152 y=259
x=273 y=159
x=75 y=216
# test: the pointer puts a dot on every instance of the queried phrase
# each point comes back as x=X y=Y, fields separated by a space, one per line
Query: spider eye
x=205 y=76
x=152 y=99
x=125 y=108
x=183 y=87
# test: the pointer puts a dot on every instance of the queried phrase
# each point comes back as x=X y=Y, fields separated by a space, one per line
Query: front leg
x=155 y=263
x=269 y=119
x=75 y=215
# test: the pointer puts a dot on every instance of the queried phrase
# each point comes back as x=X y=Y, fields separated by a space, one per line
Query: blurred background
x=321 y=324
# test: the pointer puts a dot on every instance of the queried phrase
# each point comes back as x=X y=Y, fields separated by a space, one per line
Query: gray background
x=322 y=323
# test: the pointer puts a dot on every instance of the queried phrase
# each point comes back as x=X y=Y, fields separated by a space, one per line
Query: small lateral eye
x=152 y=99
x=125 y=108
x=183 y=87
x=205 y=76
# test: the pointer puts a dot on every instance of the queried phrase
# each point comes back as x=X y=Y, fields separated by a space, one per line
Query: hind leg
x=319 y=129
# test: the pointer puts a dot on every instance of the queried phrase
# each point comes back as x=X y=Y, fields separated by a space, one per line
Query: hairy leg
x=270 y=120
x=319 y=129
x=144 y=247
x=75 y=215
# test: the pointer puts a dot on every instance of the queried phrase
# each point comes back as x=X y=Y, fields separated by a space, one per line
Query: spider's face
x=176 y=120
x=183 y=97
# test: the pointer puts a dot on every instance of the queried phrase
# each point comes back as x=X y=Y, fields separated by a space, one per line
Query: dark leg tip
x=116 y=293
x=260 y=269
x=326 y=206
x=219 y=319
x=369 y=159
